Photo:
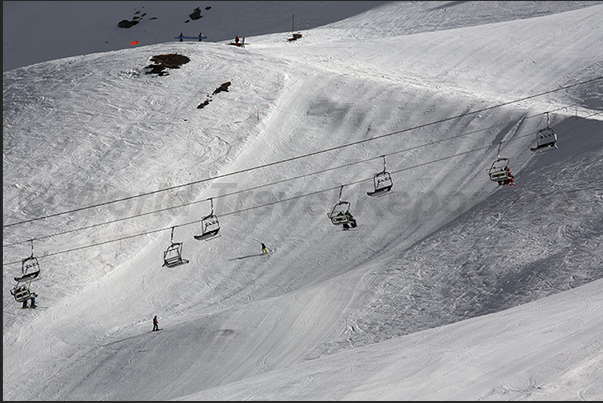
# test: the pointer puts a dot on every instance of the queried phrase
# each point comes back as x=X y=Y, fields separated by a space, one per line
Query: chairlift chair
x=30 y=267
x=498 y=171
x=210 y=225
x=546 y=139
x=173 y=254
x=21 y=292
x=382 y=181
x=340 y=215
x=30 y=271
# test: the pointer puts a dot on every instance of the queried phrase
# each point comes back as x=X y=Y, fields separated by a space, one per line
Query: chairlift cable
x=261 y=186
x=279 y=182
x=300 y=156
x=261 y=206
x=340 y=187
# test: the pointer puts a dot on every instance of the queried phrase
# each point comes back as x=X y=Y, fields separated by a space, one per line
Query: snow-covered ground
x=450 y=288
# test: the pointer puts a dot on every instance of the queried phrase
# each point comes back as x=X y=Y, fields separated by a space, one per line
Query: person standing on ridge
x=155 y=323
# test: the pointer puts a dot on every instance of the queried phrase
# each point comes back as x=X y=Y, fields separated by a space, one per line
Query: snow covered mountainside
x=40 y=31
x=451 y=287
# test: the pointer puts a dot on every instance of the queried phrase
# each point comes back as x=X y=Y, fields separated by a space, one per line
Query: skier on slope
x=264 y=249
x=155 y=323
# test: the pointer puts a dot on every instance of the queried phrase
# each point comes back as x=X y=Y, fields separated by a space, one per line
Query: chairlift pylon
x=546 y=139
x=210 y=225
x=340 y=215
x=382 y=181
x=173 y=254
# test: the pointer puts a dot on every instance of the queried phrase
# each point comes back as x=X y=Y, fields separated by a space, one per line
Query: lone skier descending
x=264 y=249
x=155 y=323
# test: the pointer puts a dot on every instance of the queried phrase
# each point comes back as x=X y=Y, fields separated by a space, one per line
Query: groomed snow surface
x=450 y=288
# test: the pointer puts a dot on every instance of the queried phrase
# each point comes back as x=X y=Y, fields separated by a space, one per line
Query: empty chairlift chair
x=546 y=139
x=210 y=225
x=30 y=268
x=382 y=181
x=340 y=215
x=173 y=254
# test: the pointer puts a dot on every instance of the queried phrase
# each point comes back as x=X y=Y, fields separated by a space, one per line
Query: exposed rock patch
x=166 y=61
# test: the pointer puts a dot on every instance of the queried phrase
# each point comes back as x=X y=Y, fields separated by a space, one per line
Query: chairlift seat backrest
x=173 y=255
x=340 y=208
x=173 y=250
x=30 y=265
x=546 y=136
x=382 y=180
x=340 y=219
x=546 y=140
x=383 y=184
x=21 y=293
x=498 y=171
x=341 y=213
x=210 y=224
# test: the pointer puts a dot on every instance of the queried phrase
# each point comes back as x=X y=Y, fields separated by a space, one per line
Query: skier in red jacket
x=155 y=323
